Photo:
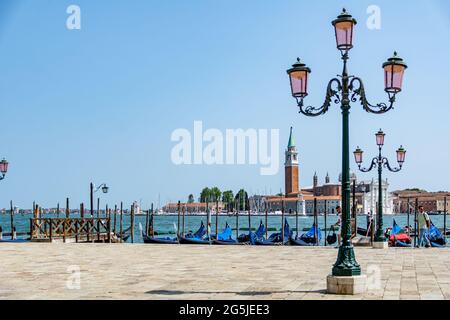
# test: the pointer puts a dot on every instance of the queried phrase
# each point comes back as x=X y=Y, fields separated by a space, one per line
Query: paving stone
x=112 y=271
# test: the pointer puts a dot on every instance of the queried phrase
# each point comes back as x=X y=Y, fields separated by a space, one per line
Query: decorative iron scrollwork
x=388 y=166
x=361 y=93
x=332 y=95
x=372 y=165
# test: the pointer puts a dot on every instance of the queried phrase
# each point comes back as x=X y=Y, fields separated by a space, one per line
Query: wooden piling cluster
x=70 y=229
x=82 y=228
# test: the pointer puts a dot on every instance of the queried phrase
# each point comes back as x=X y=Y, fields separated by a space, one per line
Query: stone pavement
x=123 y=271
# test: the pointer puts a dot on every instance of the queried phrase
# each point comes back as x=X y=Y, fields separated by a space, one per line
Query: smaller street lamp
x=104 y=189
x=3 y=168
x=380 y=162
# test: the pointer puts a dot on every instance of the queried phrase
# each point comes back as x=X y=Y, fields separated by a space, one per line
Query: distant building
x=136 y=208
x=296 y=199
x=194 y=207
x=367 y=197
x=291 y=176
x=327 y=196
x=431 y=201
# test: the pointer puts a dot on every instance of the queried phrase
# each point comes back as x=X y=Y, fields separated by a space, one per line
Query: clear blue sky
x=100 y=103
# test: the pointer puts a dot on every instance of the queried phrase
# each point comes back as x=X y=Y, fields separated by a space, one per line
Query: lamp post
x=104 y=188
x=380 y=162
x=343 y=90
x=3 y=168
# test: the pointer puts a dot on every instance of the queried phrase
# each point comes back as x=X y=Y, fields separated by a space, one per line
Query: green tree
x=228 y=198
x=415 y=190
x=242 y=200
x=215 y=194
x=205 y=195
x=191 y=198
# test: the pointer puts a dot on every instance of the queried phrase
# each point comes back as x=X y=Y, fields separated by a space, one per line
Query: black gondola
x=196 y=238
x=225 y=237
x=276 y=238
x=307 y=239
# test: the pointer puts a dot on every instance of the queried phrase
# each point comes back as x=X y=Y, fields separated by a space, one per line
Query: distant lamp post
x=104 y=188
x=380 y=162
x=3 y=168
x=344 y=90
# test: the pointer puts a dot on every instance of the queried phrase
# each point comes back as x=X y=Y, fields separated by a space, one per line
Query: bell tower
x=291 y=168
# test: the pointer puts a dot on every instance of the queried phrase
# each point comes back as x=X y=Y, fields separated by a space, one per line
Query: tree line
x=232 y=201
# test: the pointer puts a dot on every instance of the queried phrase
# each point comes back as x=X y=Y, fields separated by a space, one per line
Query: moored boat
x=276 y=238
x=196 y=238
x=398 y=237
x=251 y=237
x=225 y=238
x=437 y=239
x=309 y=238
x=159 y=240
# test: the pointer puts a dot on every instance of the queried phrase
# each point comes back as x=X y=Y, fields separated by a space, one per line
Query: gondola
x=225 y=237
x=299 y=242
x=307 y=239
x=436 y=238
x=362 y=232
x=276 y=238
x=399 y=238
x=124 y=235
x=196 y=238
x=251 y=237
x=158 y=240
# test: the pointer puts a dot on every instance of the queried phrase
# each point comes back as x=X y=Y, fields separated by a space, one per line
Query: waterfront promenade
x=122 y=271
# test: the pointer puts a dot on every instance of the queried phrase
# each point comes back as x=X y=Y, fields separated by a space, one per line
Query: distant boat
x=198 y=237
x=276 y=238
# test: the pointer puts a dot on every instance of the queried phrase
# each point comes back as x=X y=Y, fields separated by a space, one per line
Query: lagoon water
x=167 y=224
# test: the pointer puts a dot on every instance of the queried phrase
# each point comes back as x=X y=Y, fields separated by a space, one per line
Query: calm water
x=166 y=225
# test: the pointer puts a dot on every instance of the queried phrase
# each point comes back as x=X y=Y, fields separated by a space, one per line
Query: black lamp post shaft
x=346 y=264
x=92 y=199
x=379 y=237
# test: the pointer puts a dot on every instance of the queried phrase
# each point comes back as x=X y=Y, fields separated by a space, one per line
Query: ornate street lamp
x=3 y=168
x=104 y=188
x=380 y=162
x=343 y=90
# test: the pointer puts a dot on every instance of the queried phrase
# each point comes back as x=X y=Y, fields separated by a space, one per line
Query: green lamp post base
x=346 y=265
x=379 y=237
